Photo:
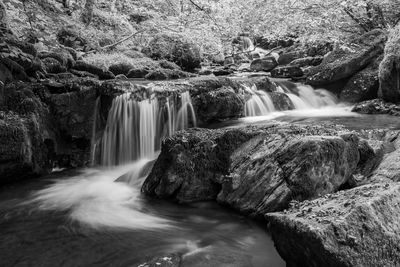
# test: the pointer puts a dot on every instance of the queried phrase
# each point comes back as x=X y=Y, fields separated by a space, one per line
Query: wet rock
x=165 y=64
x=138 y=73
x=264 y=64
x=166 y=74
x=102 y=74
x=6 y=75
x=344 y=62
x=286 y=58
x=176 y=49
x=172 y=260
x=253 y=169
x=377 y=106
x=389 y=70
x=363 y=85
x=218 y=105
x=281 y=101
x=287 y=72
x=120 y=68
x=307 y=61
x=357 y=227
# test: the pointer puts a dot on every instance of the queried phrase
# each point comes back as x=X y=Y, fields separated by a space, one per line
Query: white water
x=260 y=103
x=135 y=128
x=303 y=97
x=93 y=198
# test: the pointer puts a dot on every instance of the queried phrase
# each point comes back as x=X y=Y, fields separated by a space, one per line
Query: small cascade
x=135 y=129
x=259 y=104
x=301 y=96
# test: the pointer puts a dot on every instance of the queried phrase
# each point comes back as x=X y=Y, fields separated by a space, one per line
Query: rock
x=165 y=64
x=357 y=227
x=389 y=168
x=307 y=61
x=344 y=62
x=263 y=64
x=281 y=101
x=17 y=71
x=52 y=65
x=71 y=38
x=229 y=61
x=23 y=152
x=389 y=69
x=222 y=71
x=286 y=58
x=172 y=260
x=83 y=74
x=176 y=49
x=253 y=169
x=362 y=86
x=287 y=72
x=6 y=75
x=120 y=68
x=121 y=77
x=218 y=105
x=138 y=73
x=62 y=56
x=377 y=106
x=102 y=74
x=166 y=74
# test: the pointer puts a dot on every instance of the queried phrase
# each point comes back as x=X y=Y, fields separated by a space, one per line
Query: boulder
x=102 y=74
x=344 y=62
x=357 y=227
x=120 y=68
x=307 y=61
x=389 y=69
x=63 y=56
x=138 y=72
x=23 y=152
x=377 y=106
x=166 y=74
x=363 y=85
x=218 y=105
x=263 y=64
x=287 y=57
x=174 y=48
x=281 y=101
x=287 y=72
x=165 y=64
x=52 y=65
x=253 y=169
x=172 y=260
x=71 y=38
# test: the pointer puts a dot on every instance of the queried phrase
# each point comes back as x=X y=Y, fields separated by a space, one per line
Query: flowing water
x=97 y=216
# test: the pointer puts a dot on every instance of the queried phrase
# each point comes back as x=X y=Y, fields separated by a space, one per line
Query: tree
x=87 y=14
x=3 y=16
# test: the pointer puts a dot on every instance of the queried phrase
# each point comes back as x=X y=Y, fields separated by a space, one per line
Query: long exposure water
x=97 y=216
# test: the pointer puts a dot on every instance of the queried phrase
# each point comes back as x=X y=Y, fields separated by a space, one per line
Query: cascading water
x=260 y=103
x=134 y=128
x=302 y=97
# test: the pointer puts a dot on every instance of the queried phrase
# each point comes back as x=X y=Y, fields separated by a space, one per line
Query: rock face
x=363 y=85
x=389 y=70
x=343 y=63
x=253 y=169
x=357 y=227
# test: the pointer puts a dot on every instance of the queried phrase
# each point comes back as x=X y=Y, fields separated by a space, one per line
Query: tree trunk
x=87 y=14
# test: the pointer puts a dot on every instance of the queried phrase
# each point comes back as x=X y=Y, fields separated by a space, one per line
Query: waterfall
x=260 y=103
x=301 y=96
x=135 y=128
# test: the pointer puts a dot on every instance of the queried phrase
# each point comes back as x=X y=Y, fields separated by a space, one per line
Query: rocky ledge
x=357 y=227
x=377 y=106
x=259 y=169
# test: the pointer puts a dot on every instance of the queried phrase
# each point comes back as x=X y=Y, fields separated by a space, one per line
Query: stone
x=287 y=72
x=263 y=64
x=363 y=85
x=286 y=58
x=171 y=260
x=357 y=227
x=253 y=169
x=389 y=69
x=52 y=65
x=102 y=74
x=344 y=62
x=120 y=68
x=307 y=61
x=138 y=73
x=166 y=74
x=377 y=106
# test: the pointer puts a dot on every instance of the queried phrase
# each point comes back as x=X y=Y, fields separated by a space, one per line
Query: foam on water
x=95 y=199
